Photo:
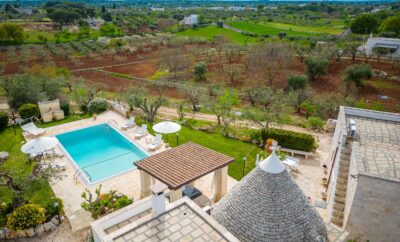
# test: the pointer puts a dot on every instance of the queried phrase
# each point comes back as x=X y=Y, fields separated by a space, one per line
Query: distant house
x=95 y=23
x=157 y=9
x=190 y=20
x=24 y=10
x=389 y=43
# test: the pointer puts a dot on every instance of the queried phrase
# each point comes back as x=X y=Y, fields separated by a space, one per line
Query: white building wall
x=371 y=42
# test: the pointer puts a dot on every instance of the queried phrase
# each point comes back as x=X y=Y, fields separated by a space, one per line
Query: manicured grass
x=274 y=29
x=37 y=193
x=34 y=34
x=70 y=118
x=216 y=141
x=210 y=32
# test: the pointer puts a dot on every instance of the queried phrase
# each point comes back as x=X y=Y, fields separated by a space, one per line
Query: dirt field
x=146 y=64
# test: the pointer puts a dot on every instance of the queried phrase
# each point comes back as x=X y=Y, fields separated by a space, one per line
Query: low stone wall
x=6 y=233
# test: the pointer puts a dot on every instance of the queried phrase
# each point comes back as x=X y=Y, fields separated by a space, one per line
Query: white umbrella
x=39 y=145
x=166 y=127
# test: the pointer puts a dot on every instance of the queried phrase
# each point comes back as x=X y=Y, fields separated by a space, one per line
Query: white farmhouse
x=190 y=20
x=390 y=43
x=95 y=23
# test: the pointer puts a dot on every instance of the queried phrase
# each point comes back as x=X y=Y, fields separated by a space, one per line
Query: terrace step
x=336 y=214
x=338 y=207
x=337 y=221
x=340 y=199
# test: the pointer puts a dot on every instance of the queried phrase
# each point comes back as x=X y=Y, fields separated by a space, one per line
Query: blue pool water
x=101 y=151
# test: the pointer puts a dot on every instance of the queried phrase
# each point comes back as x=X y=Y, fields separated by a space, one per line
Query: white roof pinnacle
x=272 y=164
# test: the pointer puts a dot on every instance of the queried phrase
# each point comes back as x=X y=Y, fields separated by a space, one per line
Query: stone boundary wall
x=9 y=234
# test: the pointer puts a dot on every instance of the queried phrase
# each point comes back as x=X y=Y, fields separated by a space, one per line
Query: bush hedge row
x=290 y=139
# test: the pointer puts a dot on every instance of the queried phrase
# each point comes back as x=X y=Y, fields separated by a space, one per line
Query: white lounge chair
x=291 y=162
x=129 y=123
x=141 y=132
x=31 y=129
x=55 y=166
x=53 y=153
x=157 y=141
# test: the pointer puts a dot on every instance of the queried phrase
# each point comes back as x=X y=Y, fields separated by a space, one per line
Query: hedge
x=28 y=110
x=290 y=139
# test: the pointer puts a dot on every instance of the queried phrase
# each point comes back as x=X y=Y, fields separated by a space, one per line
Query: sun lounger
x=141 y=132
x=53 y=153
x=129 y=123
x=31 y=129
x=157 y=141
x=56 y=166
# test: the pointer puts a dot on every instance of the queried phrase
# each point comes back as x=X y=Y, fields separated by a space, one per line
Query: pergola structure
x=183 y=165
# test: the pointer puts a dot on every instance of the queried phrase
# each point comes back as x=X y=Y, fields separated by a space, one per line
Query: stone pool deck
x=128 y=183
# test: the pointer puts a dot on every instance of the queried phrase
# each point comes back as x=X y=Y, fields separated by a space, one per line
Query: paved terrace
x=127 y=183
x=377 y=147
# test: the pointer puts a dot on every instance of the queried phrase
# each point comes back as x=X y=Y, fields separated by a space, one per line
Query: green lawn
x=274 y=29
x=34 y=34
x=70 y=118
x=215 y=141
x=210 y=32
x=37 y=193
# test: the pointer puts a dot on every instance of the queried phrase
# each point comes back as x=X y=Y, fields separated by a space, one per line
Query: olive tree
x=316 y=66
x=274 y=107
x=355 y=74
x=148 y=104
x=269 y=59
x=194 y=94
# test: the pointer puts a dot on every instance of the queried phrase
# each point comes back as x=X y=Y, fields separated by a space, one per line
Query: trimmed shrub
x=3 y=121
x=316 y=66
x=297 y=82
x=28 y=110
x=25 y=217
x=97 y=105
x=290 y=139
x=315 y=122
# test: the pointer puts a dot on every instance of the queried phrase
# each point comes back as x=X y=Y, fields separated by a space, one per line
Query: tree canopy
x=364 y=24
x=391 y=24
x=11 y=32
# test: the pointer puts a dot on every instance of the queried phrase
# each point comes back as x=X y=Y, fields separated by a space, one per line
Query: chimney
x=158 y=198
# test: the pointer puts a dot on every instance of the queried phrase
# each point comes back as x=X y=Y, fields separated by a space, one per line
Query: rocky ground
x=62 y=234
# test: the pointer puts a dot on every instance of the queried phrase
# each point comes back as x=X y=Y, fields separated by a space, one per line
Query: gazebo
x=183 y=165
x=267 y=205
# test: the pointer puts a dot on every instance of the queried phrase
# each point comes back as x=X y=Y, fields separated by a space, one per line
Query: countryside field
x=274 y=29
x=210 y=31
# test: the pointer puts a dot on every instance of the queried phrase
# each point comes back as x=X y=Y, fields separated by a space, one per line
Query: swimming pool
x=101 y=151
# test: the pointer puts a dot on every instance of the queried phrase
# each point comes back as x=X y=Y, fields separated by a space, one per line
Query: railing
x=112 y=123
x=80 y=171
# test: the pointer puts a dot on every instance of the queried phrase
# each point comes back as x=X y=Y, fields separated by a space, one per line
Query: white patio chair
x=141 y=132
x=129 y=123
x=291 y=162
x=157 y=141
x=31 y=129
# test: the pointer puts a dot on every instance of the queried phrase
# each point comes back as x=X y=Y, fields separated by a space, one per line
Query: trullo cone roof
x=267 y=205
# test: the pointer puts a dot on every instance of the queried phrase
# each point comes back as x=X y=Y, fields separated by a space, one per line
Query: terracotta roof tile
x=183 y=164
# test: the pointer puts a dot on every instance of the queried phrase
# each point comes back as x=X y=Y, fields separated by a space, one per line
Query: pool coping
x=83 y=176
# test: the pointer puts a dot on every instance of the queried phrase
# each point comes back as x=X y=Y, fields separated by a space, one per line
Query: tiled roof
x=183 y=164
